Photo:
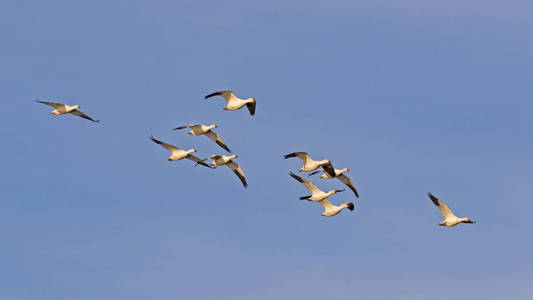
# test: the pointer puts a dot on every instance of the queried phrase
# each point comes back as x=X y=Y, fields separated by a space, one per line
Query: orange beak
x=169 y=159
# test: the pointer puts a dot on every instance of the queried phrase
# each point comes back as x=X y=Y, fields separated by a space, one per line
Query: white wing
x=52 y=104
x=227 y=95
x=349 y=183
x=80 y=114
x=169 y=147
x=186 y=126
x=303 y=156
x=443 y=208
x=308 y=184
x=238 y=171
x=216 y=138
x=326 y=204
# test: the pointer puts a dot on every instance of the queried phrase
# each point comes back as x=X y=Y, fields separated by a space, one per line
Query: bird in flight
x=61 y=109
x=179 y=154
x=316 y=193
x=197 y=129
x=331 y=210
x=339 y=174
x=311 y=165
x=233 y=102
x=221 y=160
x=449 y=218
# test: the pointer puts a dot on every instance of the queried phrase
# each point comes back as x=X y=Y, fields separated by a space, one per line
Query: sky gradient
x=413 y=97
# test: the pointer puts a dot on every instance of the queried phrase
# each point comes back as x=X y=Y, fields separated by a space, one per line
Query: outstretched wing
x=199 y=161
x=251 y=107
x=216 y=138
x=349 y=183
x=227 y=94
x=329 y=169
x=238 y=171
x=52 y=104
x=315 y=172
x=169 y=147
x=308 y=184
x=326 y=204
x=186 y=126
x=208 y=158
x=443 y=208
x=303 y=156
x=80 y=114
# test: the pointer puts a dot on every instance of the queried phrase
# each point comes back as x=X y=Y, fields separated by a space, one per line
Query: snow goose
x=220 y=160
x=331 y=210
x=339 y=175
x=178 y=154
x=233 y=102
x=197 y=129
x=316 y=193
x=61 y=109
x=449 y=218
x=311 y=165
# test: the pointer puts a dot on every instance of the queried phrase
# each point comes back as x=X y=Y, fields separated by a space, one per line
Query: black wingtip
x=212 y=95
x=289 y=155
x=296 y=177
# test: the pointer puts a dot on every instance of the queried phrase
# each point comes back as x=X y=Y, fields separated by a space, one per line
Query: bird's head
x=77 y=106
x=213 y=126
x=193 y=151
x=345 y=170
x=467 y=220
x=170 y=159
x=328 y=161
x=234 y=156
x=350 y=205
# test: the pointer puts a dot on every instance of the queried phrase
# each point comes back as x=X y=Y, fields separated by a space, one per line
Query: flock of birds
x=325 y=166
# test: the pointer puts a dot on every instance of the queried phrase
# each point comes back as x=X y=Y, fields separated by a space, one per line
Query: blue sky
x=412 y=97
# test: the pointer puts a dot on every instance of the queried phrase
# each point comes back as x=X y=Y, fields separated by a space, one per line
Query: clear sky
x=413 y=96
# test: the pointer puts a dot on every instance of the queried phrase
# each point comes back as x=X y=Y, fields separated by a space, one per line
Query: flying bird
x=311 y=165
x=233 y=102
x=331 y=210
x=220 y=160
x=61 y=109
x=316 y=193
x=197 y=129
x=179 y=154
x=449 y=218
x=340 y=176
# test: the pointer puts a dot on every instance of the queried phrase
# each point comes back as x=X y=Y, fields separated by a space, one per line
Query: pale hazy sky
x=412 y=96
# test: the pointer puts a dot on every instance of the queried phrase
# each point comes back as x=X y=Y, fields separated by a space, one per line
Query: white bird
x=179 y=154
x=233 y=102
x=330 y=210
x=449 y=218
x=316 y=193
x=61 y=109
x=311 y=165
x=220 y=160
x=339 y=175
x=198 y=129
